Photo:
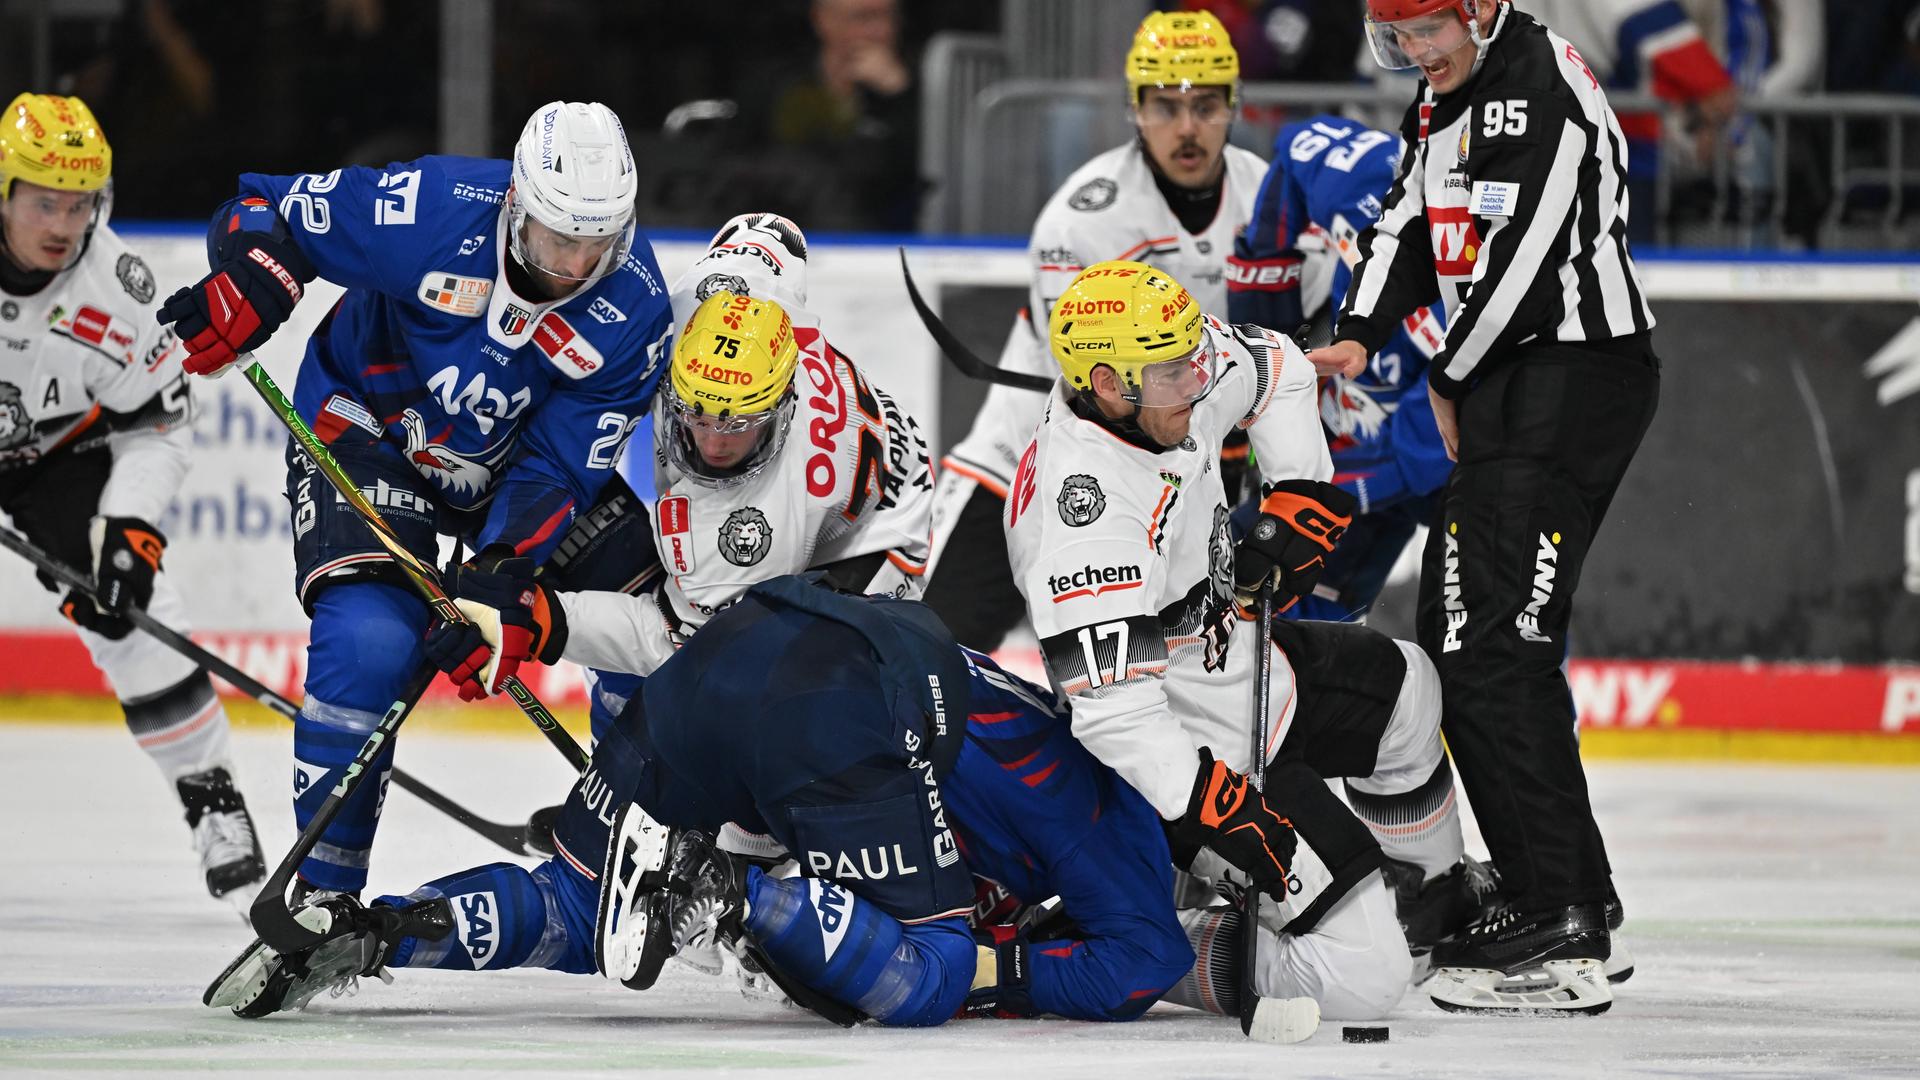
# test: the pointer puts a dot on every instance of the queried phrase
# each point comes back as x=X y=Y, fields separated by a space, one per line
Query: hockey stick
x=420 y=573
x=514 y=838
x=1274 y=1020
x=956 y=351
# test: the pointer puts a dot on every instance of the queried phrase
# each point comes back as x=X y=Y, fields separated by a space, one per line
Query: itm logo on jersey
x=1093 y=580
x=574 y=355
x=1456 y=242
x=1545 y=565
x=1453 y=598
x=476 y=920
x=456 y=294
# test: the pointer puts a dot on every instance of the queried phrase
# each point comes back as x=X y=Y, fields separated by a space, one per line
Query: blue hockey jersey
x=509 y=405
x=1322 y=190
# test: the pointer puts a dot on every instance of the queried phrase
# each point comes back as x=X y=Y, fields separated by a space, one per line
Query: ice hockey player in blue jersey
x=887 y=760
x=1322 y=190
x=503 y=328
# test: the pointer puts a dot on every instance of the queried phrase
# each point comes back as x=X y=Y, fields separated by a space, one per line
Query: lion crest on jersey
x=15 y=426
x=745 y=537
x=1081 y=501
x=1220 y=554
x=714 y=283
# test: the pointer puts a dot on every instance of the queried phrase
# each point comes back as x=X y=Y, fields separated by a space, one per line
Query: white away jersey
x=1125 y=561
x=852 y=478
x=82 y=360
x=1109 y=208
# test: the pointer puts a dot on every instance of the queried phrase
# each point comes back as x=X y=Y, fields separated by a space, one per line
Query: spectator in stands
x=1288 y=40
x=852 y=112
x=1874 y=47
x=1647 y=46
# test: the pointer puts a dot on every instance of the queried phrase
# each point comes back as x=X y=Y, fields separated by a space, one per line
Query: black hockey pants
x=1544 y=442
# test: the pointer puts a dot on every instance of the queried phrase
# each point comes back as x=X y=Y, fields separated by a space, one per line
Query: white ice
x=1771 y=909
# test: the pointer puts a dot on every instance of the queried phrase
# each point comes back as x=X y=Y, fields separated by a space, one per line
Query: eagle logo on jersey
x=1081 y=501
x=455 y=473
x=1351 y=413
x=15 y=427
x=745 y=537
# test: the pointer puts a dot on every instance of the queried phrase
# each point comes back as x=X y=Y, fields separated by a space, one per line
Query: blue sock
x=826 y=937
x=503 y=917
x=365 y=648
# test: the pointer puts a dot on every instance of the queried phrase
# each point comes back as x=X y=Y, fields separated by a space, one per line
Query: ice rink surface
x=1772 y=911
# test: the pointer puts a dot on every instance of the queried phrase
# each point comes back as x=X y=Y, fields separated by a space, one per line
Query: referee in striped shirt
x=1511 y=209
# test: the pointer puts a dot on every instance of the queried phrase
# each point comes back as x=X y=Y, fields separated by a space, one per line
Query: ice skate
x=230 y=856
x=1550 y=962
x=263 y=981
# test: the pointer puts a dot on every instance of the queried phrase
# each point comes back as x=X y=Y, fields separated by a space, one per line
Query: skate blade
x=242 y=980
x=1556 y=988
x=1284 y=1020
x=1620 y=963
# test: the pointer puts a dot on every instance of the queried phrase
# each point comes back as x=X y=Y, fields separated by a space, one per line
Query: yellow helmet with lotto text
x=53 y=142
x=1182 y=50
x=1138 y=321
x=731 y=377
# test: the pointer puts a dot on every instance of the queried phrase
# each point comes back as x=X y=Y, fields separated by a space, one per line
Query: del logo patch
x=563 y=345
x=456 y=294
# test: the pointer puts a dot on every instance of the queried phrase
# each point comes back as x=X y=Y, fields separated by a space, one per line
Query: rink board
x=1706 y=552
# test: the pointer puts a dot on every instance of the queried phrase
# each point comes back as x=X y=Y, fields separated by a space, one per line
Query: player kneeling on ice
x=888 y=760
x=1117 y=529
x=94 y=438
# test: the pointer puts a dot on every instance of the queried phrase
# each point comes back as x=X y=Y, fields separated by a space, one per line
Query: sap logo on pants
x=1544 y=564
x=836 y=911
x=875 y=864
x=1453 y=600
x=476 y=918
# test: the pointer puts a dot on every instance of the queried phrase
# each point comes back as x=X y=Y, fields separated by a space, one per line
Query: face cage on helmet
x=684 y=454
x=1203 y=361
x=1385 y=45
x=610 y=259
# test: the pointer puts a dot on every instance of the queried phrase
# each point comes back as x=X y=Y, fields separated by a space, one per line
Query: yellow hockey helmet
x=53 y=142
x=731 y=375
x=1182 y=49
x=1141 y=323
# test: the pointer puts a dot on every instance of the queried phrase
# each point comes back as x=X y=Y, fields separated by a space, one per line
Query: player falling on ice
x=888 y=761
x=1117 y=528
x=502 y=331
x=94 y=440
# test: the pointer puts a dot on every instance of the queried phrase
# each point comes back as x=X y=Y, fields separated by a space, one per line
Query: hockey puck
x=1363 y=1034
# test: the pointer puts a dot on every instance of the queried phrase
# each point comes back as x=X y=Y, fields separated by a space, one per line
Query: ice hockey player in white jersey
x=1116 y=526
x=94 y=440
x=1174 y=198
x=773 y=454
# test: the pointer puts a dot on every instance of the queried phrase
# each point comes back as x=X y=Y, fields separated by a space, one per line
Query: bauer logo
x=476 y=918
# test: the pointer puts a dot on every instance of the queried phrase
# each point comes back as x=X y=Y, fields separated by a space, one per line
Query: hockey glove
x=1264 y=291
x=256 y=280
x=1300 y=521
x=511 y=620
x=1228 y=814
x=80 y=610
x=126 y=557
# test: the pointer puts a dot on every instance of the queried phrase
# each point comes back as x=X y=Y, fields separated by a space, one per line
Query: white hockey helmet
x=573 y=173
